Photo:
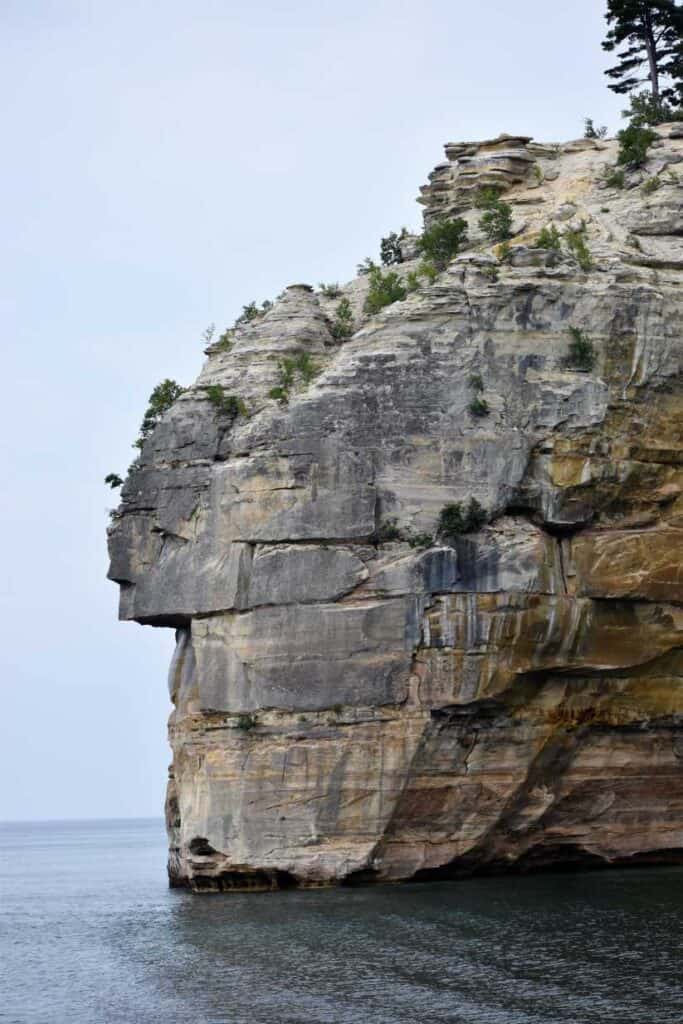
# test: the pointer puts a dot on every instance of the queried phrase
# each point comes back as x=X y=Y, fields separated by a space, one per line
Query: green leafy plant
x=442 y=242
x=342 y=325
x=412 y=281
x=428 y=269
x=390 y=248
x=634 y=142
x=475 y=382
x=225 y=341
x=453 y=520
x=420 y=540
x=252 y=312
x=496 y=220
x=651 y=185
x=591 y=132
x=615 y=179
x=291 y=367
x=538 y=173
x=246 y=722
x=576 y=243
x=161 y=399
x=366 y=266
x=644 y=109
x=386 y=531
x=384 y=289
x=279 y=394
x=113 y=479
x=504 y=252
x=479 y=407
x=549 y=238
x=330 y=291
x=581 y=355
x=488 y=270
x=225 y=405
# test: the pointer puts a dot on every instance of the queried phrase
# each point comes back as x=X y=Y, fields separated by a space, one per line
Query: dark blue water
x=89 y=934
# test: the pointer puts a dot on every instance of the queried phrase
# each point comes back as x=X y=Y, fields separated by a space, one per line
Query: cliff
x=360 y=695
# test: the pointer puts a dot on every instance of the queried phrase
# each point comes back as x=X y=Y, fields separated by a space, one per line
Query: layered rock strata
x=358 y=697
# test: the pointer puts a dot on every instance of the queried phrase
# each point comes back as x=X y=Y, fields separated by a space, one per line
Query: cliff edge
x=362 y=692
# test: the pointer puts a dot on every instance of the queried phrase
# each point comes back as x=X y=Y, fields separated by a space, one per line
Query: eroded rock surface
x=359 y=698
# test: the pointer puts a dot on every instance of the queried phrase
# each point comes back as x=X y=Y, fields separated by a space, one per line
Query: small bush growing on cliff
x=342 y=325
x=384 y=289
x=549 y=238
x=246 y=722
x=634 y=142
x=386 y=531
x=581 y=355
x=390 y=248
x=615 y=179
x=496 y=221
x=591 y=132
x=330 y=291
x=113 y=479
x=290 y=367
x=225 y=405
x=479 y=407
x=576 y=243
x=225 y=341
x=161 y=399
x=252 y=312
x=645 y=109
x=475 y=381
x=651 y=185
x=454 y=521
x=366 y=267
x=443 y=241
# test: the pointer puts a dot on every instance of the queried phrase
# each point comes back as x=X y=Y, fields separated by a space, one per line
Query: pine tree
x=652 y=33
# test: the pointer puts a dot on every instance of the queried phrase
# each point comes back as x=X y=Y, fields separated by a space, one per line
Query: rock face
x=358 y=697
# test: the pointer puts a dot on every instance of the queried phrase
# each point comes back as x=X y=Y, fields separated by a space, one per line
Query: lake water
x=90 y=934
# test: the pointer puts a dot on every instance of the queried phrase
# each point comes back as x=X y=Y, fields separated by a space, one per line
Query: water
x=89 y=934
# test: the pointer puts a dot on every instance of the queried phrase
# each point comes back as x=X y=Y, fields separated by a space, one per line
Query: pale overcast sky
x=163 y=164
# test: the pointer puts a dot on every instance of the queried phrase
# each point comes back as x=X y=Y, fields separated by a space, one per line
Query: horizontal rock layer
x=359 y=697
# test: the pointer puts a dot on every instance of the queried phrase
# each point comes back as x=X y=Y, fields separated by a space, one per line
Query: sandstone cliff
x=356 y=696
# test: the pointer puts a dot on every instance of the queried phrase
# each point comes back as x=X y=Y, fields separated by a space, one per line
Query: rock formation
x=359 y=697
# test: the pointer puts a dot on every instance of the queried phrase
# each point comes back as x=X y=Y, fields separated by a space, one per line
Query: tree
x=651 y=32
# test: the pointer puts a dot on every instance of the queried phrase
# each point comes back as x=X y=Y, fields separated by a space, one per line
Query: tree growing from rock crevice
x=648 y=35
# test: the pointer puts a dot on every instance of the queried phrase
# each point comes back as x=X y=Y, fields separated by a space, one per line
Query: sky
x=163 y=164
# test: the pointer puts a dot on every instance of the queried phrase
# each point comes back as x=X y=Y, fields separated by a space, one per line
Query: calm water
x=89 y=934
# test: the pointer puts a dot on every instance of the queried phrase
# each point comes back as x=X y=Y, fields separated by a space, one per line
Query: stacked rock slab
x=360 y=699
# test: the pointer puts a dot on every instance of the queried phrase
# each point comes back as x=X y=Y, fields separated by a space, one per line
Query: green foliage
x=161 y=399
x=591 y=132
x=428 y=269
x=634 y=143
x=645 y=110
x=504 y=252
x=279 y=394
x=384 y=289
x=616 y=179
x=420 y=540
x=412 y=281
x=453 y=520
x=386 y=531
x=496 y=221
x=581 y=355
x=252 y=312
x=479 y=407
x=538 y=173
x=342 y=325
x=225 y=405
x=246 y=722
x=651 y=32
x=488 y=270
x=475 y=382
x=576 y=243
x=291 y=367
x=390 y=248
x=549 y=238
x=651 y=185
x=367 y=266
x=113 y=479
x=443 y=241
x=207 y=335
x=330 y=291
x=225 y=341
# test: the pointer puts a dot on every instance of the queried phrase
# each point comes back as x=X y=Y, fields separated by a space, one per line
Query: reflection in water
x=90 y=934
